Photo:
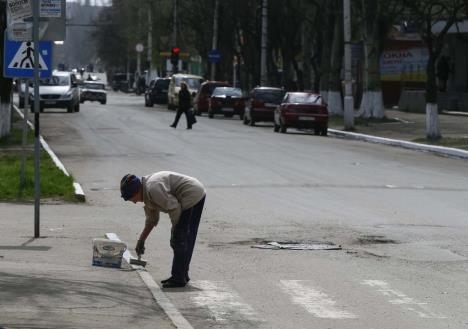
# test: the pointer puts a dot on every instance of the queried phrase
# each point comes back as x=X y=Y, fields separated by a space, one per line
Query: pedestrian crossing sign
x=19 y=59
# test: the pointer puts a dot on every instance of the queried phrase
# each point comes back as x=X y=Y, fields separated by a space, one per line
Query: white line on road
x=177 y=319
x=399 y=298
x=314 y=301
x=223 y=303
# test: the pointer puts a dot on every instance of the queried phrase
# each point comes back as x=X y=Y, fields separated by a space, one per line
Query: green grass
x=54 y=183
x=460 y=143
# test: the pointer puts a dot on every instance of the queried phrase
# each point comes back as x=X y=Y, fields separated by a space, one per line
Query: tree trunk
x=335 y=103
x=372 y=99
x=432 y=114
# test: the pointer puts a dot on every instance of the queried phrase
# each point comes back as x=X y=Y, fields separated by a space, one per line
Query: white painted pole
x=348 y=100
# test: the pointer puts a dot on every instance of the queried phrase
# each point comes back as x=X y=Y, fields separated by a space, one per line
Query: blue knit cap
x=129 y=186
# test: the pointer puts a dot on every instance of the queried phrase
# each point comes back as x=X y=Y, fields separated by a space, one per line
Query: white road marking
x=398 y=298
x=160 y=297
x=222 y=302
x=314 y=301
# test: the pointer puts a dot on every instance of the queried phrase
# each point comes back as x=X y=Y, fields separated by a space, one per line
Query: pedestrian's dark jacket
x=185 y=100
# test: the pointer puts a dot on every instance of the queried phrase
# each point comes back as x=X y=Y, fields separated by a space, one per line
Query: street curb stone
x=446 y=151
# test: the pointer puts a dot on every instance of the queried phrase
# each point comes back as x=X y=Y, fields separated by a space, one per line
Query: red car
x=302 y=110
x=262 y=103
x=200 y=103
x=227 y=101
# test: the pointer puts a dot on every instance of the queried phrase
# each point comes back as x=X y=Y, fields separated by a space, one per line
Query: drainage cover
x=298 y=246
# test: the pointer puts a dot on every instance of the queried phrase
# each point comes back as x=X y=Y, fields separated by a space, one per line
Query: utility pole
x=263 y=60
x=214 y=43
x=174 y=35
x=149 y=57
x=348 y=99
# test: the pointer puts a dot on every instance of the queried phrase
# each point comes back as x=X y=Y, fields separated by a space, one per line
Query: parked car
x=58 y=91
x=200 y=103
x=262 y=103
x=93 y=91
x=302 y=110
x=228 y=101
x=157 y=92
x=120 y=82
x=193 y=83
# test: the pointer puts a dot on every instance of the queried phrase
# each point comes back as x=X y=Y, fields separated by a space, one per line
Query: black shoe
x=168 y=279
x=171 y=283
x=189 y=127
x=173 y=126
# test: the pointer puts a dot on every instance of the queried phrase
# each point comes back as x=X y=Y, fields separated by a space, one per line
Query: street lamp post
x=348 y=99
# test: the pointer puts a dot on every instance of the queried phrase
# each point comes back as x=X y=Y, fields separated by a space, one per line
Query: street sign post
x=18 y=59
x=214 y=56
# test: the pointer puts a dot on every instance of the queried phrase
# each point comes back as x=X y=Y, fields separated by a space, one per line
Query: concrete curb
x=79 y=194
x=446 y=151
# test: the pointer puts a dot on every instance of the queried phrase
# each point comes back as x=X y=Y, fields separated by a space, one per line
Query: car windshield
x=305 y=98
x=93 y=86
x=270 y=96
x=192 y=83
x=228 y=91
x=162 y=84
x=209 y=88
x=55 y=81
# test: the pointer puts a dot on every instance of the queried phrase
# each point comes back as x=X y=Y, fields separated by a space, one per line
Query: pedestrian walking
x=185 y=105
x=443 y=71
x=182 y=197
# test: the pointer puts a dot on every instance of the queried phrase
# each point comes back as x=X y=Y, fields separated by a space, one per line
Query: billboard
x=404 y=64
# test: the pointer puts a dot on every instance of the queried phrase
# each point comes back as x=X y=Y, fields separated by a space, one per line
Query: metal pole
x=214 y=43
x=175 y=67
x=37 y=154
x=25 y=131
x=263 y=61
x=348 y=100
x=149 y=57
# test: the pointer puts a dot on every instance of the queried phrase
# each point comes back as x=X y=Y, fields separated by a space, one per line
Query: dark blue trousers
x=183 y=240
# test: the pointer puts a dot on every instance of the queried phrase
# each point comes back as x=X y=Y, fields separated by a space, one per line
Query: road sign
x=18 y=59
x=214 y=56
x=52 y=17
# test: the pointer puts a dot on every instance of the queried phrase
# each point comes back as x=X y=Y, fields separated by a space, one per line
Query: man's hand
x=140 y=247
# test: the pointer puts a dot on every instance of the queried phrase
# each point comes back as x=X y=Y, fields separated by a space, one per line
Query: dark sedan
x=228 y=101
x=262 y=103
x=157 y=92
x=302 y=110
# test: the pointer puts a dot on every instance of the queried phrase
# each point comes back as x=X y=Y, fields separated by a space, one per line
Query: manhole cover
x=298 y=246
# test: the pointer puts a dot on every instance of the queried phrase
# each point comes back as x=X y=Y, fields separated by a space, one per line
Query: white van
x=193 y=83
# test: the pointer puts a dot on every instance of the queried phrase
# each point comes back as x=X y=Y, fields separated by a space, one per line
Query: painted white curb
x=447 y=151
x=78 y=190
x=159 y=296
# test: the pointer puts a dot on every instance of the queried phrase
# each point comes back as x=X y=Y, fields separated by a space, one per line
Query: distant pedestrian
x=185 y=105
x=182 y=197
x=443 y=71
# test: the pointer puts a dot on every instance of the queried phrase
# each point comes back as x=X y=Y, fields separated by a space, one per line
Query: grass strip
x=459 y=143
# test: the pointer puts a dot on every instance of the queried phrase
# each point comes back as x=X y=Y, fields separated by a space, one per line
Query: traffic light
x=175 y=56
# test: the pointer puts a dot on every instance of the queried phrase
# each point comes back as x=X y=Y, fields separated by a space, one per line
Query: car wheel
x=283 y=127
x=324 y=131
x=103 y=102
x=70 y=108
x=245 y=120
x=317 y=131
x=41 y=109
x=228 y=115
x=241 y=116
x=276 y=128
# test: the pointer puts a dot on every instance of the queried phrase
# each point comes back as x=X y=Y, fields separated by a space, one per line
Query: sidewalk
x=410 y=127
x=50 y=283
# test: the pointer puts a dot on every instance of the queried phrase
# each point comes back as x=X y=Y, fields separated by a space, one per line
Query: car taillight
x=257 y=103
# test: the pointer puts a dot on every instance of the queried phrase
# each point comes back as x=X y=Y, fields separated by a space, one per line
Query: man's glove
x=140 y=247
